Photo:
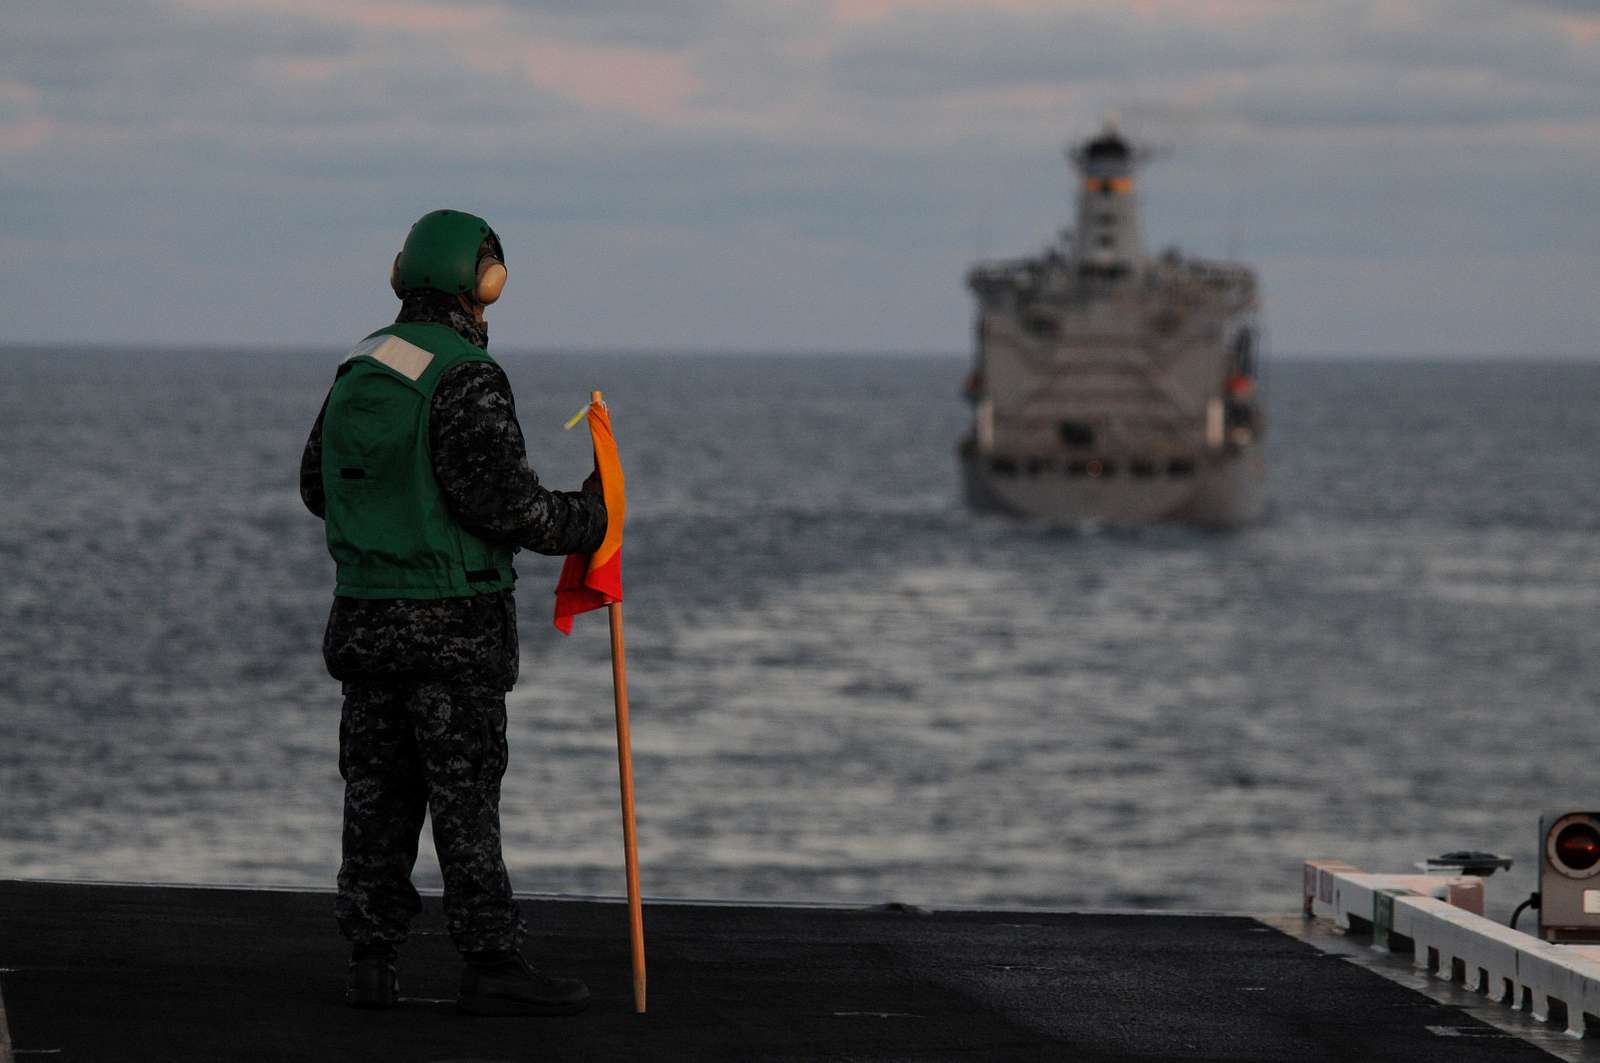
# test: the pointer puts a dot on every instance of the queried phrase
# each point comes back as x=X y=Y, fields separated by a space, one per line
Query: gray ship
x=1111 y=386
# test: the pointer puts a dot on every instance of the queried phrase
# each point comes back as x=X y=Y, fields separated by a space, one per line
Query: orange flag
x=590 y=582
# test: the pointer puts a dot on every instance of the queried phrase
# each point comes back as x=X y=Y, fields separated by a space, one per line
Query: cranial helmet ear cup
x=394 y=276
x=491 y=281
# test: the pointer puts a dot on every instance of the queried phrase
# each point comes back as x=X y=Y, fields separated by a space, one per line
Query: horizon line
x=23 y=346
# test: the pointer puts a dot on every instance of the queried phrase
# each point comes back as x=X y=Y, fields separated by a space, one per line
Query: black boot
x=502 y=983
x=374 y=977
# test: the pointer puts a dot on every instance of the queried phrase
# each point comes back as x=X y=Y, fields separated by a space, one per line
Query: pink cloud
x=1582 y=29
x=1209 y=10
x=493 y=39
x=303 y=71
x=856 y=11
x=416 y=16
x=24 y=134
x=22 y=126
x=636 y=80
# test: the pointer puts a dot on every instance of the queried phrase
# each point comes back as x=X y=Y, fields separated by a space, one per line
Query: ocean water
x=845 y=687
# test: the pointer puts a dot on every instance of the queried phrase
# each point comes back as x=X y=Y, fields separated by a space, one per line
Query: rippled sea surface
x=845 y=687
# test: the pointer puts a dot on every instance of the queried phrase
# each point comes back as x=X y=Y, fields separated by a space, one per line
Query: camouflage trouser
x=410 y=748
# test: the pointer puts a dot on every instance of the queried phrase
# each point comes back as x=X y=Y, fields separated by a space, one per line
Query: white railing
x=1442 y=921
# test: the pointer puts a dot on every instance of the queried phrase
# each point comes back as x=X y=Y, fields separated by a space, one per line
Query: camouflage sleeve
x=482 y=465
x=311 y=468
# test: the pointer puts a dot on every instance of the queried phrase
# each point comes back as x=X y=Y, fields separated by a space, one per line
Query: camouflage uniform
x=424 y=720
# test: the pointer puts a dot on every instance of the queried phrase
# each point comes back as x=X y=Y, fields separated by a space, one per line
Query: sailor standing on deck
x=417 y=465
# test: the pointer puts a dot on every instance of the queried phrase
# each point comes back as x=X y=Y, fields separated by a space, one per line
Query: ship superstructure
x=1110 y=385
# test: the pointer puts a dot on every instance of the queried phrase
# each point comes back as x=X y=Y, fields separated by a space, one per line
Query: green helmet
x=442 y=253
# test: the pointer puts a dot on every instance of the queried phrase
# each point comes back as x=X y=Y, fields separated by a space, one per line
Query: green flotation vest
x=389 y=529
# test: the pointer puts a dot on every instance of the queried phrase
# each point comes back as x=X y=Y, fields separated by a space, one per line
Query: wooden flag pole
x=630 y=844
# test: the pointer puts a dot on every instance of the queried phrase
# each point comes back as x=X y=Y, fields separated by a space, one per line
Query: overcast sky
x=1408 y=176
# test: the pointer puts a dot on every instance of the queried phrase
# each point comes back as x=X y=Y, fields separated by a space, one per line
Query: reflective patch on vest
x=407 y=359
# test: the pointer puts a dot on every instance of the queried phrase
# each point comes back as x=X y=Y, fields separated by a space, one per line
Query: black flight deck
x=112 y=972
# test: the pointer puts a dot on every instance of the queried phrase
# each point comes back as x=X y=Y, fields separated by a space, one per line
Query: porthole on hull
x=1092 y=468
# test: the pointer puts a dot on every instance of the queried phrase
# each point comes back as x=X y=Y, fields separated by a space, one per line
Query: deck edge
x=686 y=902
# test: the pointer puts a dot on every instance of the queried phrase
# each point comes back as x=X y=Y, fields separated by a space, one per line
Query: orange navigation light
x=1108 y=185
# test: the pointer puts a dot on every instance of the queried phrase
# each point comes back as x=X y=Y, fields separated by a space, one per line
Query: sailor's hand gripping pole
x=630 y=846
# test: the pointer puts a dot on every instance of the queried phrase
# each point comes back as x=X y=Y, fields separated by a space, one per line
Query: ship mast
x=1108 y=240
